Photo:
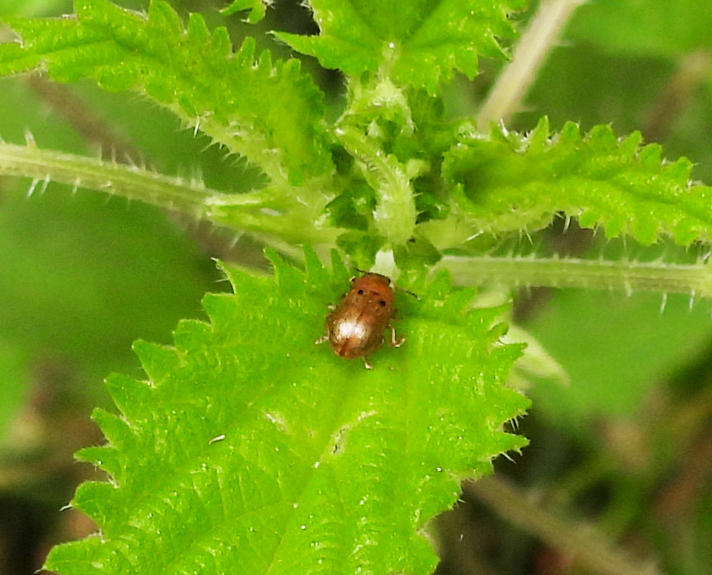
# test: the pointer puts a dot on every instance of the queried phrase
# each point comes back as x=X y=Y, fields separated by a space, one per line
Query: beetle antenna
x=366 y=272
x=415 y=295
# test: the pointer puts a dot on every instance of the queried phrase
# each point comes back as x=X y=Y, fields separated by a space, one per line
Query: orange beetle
x=355 y=327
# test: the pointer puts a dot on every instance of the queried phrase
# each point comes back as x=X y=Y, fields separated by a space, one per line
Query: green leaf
x=512 y=182
x=239 y=99
x=255 y=9
x=249 y=445
x=415 y=43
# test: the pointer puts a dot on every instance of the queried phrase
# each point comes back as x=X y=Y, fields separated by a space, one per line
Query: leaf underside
x=250 y=449
x=511 y=182
x=192 y=71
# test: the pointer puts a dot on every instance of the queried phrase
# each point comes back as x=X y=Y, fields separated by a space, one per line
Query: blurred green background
x=625 y=446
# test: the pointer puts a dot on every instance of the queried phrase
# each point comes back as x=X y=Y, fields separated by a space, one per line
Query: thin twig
x=586 y=547
x=530 y=53
x=692 y=71
x=72 y=108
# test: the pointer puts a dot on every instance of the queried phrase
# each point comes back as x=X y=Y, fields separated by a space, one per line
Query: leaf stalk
x=620 y=275
x=273 y=212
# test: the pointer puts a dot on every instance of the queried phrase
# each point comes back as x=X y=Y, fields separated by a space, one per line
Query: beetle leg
x=366 y=363
x=395 y=341
x=323 y=338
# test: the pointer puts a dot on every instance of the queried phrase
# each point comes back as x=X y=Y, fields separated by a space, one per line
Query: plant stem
x=118 y=179
x=694 y=279
x=67 y=104
x=276 y=216
x=529 y=54
x=691 y=73
x=586 y=548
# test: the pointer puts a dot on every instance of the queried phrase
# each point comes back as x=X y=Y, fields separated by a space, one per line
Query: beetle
x=355 y=327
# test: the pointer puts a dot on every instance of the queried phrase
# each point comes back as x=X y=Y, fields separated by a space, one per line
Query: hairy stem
x=272 y=214
x=695 y=279
x=586 y=548
x=119 y=179
x=529 y=55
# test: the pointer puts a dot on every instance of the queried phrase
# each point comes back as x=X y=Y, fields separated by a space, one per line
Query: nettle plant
x=250 y=449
